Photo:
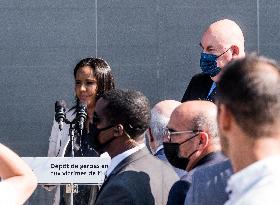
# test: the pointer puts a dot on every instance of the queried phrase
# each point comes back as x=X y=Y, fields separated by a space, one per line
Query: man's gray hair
x=206 y=123
x=157 y=125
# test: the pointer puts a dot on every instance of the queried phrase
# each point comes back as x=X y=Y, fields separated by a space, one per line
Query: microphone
x=60 y=115
x=81 y=116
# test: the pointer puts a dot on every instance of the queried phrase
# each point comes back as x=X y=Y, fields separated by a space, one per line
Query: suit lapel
x=135 y=156
x=207 y=86
x=201 y=87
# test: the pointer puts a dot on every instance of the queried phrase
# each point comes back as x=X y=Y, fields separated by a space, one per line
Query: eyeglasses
x=168 y=132
x=224 y=52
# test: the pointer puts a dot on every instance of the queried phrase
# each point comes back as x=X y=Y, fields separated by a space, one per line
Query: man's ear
x=234 y=51
x=118 y=130
x=203 y=140
x=151 y=137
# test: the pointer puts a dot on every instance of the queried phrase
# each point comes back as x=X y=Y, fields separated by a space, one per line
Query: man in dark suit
x=160 y=115
x=134 y=176
x=191 y=141
x=222 y=42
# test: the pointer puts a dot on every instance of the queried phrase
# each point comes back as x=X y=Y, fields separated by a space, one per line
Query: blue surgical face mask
x=208 y=63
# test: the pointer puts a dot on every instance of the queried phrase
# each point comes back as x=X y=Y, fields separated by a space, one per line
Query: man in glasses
x=134 y=176
x=160 y=115
x=222 y=42
x=191 y=141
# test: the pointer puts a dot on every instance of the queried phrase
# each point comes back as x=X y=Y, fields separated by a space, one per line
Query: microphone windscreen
x=82 y=104
x=60 y=103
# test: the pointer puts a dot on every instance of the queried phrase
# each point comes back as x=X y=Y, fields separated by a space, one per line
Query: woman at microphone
x=92 y=77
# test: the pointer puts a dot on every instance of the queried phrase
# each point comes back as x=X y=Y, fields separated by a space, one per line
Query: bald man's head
x=195 y=115
x=160 y=115
x=223 y=37
x=192 y=133
x=227 y=33
x=166 y=107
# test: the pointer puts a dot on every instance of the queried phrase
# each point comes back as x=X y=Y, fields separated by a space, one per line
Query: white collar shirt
x=120 y=157
x=159 y=148
x=257 y=184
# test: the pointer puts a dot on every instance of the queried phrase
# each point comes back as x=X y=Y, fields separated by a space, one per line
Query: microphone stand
x=72 y=128
x=75 y=125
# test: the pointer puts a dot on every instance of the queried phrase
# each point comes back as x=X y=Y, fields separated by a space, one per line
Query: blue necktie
x=212 y=95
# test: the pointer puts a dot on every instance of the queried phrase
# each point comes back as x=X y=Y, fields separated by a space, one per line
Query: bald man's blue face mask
x=208 y=63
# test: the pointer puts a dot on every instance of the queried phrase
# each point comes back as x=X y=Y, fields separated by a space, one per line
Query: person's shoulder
x=116 y=191
x=151 y=165
x=201 y=76
x=221 y=165
x=162 y=163
x=128 y=178
x=149 y=160
x=181 y=186
x=223 y=168
x=200 y=80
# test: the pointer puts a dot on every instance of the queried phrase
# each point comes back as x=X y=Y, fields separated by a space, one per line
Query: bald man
x=160 y=115
x=191 y=141
x=222 y=42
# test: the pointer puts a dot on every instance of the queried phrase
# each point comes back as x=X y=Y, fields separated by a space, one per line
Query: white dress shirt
x=257 y=184
x=120 y=157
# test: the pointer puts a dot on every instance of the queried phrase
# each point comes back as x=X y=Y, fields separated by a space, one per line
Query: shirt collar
x=241 y=181
x=120 y=157
x=210 y=158
x=159 y=148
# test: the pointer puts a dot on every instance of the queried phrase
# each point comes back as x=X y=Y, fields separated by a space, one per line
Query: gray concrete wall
x=152 y=46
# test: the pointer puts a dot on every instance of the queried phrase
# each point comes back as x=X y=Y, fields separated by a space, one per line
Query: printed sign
x=65 y=170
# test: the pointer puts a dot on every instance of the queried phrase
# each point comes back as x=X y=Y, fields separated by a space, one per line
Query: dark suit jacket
x=178 y=191
x=198 y=87
x=140 y=179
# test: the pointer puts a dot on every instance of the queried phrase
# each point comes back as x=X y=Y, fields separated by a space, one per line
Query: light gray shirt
x=256 y=184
